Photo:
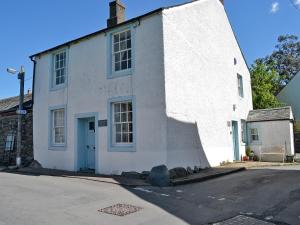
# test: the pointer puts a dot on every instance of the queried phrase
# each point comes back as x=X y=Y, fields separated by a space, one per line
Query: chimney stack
x=116 y=13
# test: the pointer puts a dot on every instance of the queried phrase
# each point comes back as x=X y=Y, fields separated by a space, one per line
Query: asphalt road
x=267 y=194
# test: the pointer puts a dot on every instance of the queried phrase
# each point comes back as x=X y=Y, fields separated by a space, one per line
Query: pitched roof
x=283 y=113
x=11 y=103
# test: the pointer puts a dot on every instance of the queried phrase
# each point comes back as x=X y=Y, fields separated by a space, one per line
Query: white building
x=168 y=87
x=271 y=133
x=290 y=95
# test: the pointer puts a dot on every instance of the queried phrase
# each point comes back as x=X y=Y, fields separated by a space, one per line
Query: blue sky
x=30 y=26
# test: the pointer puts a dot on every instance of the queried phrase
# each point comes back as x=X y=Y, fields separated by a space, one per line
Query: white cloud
x=297 y=3
x=275 y=7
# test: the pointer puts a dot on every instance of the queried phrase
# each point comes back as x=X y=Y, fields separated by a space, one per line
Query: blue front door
x=235 y=139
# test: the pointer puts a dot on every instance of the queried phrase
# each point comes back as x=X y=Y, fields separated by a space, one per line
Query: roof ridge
x=278 y=108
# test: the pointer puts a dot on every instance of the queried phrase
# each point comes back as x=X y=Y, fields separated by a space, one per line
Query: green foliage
x=265 y=83
x=285 y=59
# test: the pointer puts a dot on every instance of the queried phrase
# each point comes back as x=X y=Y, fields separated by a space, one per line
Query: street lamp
x=20 y=112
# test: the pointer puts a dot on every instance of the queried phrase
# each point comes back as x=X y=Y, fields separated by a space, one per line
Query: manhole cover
x=120 y=209
x=243 y=220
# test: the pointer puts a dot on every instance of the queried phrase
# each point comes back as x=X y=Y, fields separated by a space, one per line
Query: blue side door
x=235 y=139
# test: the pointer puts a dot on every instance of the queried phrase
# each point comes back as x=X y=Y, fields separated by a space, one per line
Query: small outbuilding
x=270 y=133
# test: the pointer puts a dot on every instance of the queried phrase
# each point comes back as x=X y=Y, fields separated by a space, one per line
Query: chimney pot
x=116 y=13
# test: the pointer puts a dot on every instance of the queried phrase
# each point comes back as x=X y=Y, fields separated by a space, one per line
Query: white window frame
x=240 y=85
x=60 y=126
x=254 y=133
x=60 y=66
x=9 y=143
x=125 y=126
x=123 y=55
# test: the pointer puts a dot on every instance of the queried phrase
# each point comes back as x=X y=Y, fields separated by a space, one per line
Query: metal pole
x=21 y=76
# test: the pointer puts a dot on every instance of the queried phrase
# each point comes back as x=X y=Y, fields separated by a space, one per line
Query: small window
x=9 y=144
x=244 y=131
x=92 y=126
x=254 y=134
x=122 y=123
x=60 y=67
x=240 y=85
x=58 y=127
x=121 y=51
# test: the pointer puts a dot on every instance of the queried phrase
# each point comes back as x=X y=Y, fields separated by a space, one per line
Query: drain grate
x=243 y=220
x=120 y=209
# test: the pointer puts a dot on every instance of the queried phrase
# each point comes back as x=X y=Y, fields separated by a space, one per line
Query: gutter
x=33 y=78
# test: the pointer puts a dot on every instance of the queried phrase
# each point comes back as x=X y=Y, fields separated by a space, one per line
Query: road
x=268 y=194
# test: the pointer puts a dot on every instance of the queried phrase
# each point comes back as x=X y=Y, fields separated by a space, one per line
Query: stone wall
x=9 y=124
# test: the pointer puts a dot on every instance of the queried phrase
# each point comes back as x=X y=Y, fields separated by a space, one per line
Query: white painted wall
x=88 y=91
x=201 y=84
x=290 y=95
x=184 y=81
x=273 y=135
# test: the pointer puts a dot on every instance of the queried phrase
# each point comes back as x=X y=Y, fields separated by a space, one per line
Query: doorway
x=235 y=140
x=86 y=144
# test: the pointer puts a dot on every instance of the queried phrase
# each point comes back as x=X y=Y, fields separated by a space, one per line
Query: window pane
x=125 y=137
x=129 y=106
x=130 y=127
x=118 y=128
x=129 y=54
x=124 y=107
x=124 y=65
x=118 y=138
x=124 y=117
x=128 y=35
x=117 y=117
x=117 y=57
x=117 y=107
x=116 y=38
x=123 y=45
x=130 y=138
x=125 y=127
x=124 y=55
x=128 y=43
x=130 y=116
x=122 y=36
x=129 y=63
x=116 y=47
x=117 y=66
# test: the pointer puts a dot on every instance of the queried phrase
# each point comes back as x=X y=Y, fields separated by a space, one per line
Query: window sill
x=58 y=87
x=120 y=74
x=57 y=148
x=125 y=148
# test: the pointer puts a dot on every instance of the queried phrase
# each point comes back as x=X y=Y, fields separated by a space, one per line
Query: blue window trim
x=52 y=86
x=244 y=138
x=110 y=73
x=51 y=146
x=121 y=147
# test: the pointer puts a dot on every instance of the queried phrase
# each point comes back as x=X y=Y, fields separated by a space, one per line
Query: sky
x=31 y=26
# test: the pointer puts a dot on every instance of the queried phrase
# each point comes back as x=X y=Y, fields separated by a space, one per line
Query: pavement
x=268 y=195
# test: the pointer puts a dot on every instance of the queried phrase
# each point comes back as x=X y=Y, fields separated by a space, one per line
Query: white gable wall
x=201 y=84
x=290 y=95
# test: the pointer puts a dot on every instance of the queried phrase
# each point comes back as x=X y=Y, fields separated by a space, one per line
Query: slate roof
x=283 y=113
x=10 y=104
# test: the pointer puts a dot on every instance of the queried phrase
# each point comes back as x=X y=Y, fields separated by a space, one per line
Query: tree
x=285 y=59
x=264 y=86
